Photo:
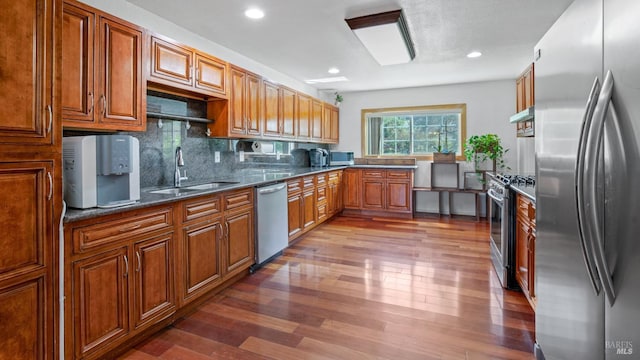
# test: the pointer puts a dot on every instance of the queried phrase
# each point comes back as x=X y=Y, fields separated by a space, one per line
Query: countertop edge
x=522 y=192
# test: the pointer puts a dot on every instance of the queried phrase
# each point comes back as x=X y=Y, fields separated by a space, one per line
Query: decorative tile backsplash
x=158 y=145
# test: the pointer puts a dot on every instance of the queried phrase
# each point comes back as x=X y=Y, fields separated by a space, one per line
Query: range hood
x=524 y=115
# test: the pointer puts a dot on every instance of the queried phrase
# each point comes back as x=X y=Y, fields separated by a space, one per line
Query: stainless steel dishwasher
x=272 y=222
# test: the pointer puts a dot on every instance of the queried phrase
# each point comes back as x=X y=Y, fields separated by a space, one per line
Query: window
x=414 y=131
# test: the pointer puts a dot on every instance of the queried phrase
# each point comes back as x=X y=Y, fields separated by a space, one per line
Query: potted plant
x=480 y=148
x=338 y=99
x=443 y=154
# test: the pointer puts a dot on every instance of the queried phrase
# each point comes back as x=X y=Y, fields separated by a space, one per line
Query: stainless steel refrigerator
x=587 y=93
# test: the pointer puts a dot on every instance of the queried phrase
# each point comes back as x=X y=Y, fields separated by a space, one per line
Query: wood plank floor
x=358 y=288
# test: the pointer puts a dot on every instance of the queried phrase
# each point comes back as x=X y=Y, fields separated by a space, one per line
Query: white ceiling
x=304 y=38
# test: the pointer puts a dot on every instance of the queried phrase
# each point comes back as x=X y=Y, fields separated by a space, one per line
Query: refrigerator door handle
x=594 y=139
x=584 y=236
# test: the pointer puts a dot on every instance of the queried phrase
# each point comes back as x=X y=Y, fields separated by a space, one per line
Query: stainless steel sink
x=172 y=191
x=211 y=185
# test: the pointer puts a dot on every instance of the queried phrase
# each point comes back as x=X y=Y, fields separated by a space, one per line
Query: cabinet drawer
x=334 y=177
x=398 y=175
x=321 y=179
x=321 y=194
x=308 y=182
x=237 y=199
x=378 y=174
x=92 y=236
x=201 y=207
x=294 y=186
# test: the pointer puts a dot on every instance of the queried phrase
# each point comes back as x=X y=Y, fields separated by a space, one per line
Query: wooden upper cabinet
x=271 y=109
x=102 y=83
x=525 y=97
x=303 y=117
x=253 y=100
x=316 y=120
x=237 y=108
x=171 y=62
x=27 y=109
x=331 y=123
x=210 y=74
x=288 y=112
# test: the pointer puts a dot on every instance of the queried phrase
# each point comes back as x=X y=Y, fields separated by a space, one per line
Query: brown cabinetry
x=334 y=193
x=120 y=273
x=287 y=113
x=525 y=246
x=30 y=177
x=102 y=82
x=308 y=202
x=303 y=117
x=378 y=190
x=316 y=120
x=242 y=120
x=182 y=67
x=238 y=222
x=295 y=207
x=525 y=98
x=331 y=124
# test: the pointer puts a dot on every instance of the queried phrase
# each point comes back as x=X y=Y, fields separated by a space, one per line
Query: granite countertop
x=526 y=190
x=392 y=167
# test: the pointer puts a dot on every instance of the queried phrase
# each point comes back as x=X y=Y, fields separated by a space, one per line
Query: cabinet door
x=240 y=243
x=528 y=85
x=351 y=189
x=171 y=62
x=271 y=109
x=304 y=117
x=532 y=263
x=201 y=257
x=326 y=122
x=23 y=320
x=398 y=195
x=153 y=292
x=121 y=102
x=295 y=209
x=335 y=126
x=237 y=118
x=522 y=253
x=27 y=211
x=253 y=101
x=316 y=120
x=101 y=309
x=78 y=46
x=288 y=112
x=26 y=71
x=520 y=102
x=309 y=209
x=210 y=74
x=373 y=193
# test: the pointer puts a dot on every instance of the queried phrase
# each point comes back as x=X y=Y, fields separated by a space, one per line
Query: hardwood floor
x=362 y=289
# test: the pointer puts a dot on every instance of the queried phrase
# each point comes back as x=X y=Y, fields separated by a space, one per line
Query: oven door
x=499 y=235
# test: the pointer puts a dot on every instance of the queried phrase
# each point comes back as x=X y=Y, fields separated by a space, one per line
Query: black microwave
x=340 y=158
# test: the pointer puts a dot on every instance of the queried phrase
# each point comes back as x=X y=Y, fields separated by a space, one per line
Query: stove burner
x=526 y=180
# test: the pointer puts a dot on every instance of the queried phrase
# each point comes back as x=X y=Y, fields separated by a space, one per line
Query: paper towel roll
x=256 y=146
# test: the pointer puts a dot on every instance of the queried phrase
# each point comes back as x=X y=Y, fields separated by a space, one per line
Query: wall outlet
x=278 y=155
x=241 y=153
x=216 y=156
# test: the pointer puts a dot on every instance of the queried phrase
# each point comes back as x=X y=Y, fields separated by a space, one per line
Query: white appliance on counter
x=101 y=170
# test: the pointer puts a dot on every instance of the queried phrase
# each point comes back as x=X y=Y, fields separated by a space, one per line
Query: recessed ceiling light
x=474 y=54
x=326 y=80
x=334 y=70
x=254 y=13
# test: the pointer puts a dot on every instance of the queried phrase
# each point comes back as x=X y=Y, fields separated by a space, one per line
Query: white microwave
x=340 y=158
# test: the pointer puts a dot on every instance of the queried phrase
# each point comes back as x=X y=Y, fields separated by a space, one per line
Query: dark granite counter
x=526 y=190
x=236 y=180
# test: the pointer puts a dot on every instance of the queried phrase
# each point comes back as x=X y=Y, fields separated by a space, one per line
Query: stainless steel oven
x=501 y=239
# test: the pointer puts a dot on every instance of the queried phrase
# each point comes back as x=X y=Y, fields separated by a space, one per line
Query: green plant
x=338 y=98
x=479 y=148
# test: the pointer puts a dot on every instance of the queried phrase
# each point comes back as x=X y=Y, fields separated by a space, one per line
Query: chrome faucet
x=179 y=162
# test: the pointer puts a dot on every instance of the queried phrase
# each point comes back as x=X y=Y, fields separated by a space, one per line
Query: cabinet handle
x=139 y=262
x=190 y=72
x=126 y=266
x=50 y=178
x=197 y=74
x=104 y=104
x=50 y=114
x=226 y=224
x=92 y=103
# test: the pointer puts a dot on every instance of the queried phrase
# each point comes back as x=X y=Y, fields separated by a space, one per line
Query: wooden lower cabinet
x=308 y=209
x=525 y=247
x=378 y=191
x=239 y=245
x=295 y=207
x=101 y=305
x=201 y=269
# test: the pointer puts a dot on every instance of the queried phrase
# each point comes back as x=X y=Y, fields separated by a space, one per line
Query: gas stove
x=512 y=179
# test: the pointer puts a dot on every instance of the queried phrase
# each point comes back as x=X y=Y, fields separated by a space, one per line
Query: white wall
x=489 y=105
x=148 y=20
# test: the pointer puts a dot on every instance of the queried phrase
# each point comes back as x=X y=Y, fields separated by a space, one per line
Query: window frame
x=462 y=108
